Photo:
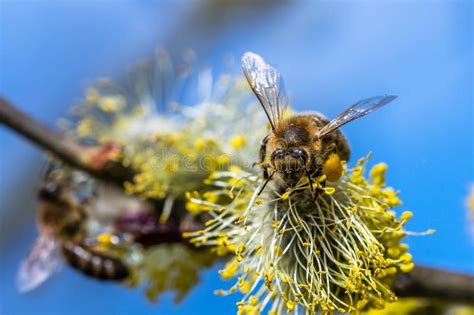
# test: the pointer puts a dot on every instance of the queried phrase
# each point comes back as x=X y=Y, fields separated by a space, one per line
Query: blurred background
x=330 y=54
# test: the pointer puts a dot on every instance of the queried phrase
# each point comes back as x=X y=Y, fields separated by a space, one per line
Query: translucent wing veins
x=267 y=84
x=43 y=260
x=359 y=109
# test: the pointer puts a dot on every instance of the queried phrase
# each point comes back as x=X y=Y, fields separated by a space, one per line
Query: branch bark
x=435 y=283
x=98 y=161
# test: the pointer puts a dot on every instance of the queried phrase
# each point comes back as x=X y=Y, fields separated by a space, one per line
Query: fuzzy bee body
x=299 y=145
x=293 y=151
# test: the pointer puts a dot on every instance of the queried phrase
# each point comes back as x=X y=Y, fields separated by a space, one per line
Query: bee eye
x=49 y=192
x=278 y=154
x=299 y=154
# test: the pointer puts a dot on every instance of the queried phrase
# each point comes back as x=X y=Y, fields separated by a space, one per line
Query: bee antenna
x=265 y=183
x=319 y=137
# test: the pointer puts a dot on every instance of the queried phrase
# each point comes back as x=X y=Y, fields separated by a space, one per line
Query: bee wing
x=42 y=261
x=267 y=84
x=359 y=109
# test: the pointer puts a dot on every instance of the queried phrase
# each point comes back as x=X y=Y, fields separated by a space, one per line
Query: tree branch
x=435 y=283
x=98 y=162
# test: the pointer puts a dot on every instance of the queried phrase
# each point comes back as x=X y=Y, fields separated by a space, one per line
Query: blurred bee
x=61 y=222
x=300 y=145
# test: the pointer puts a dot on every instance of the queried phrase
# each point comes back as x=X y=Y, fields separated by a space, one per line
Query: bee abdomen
x=94 y=264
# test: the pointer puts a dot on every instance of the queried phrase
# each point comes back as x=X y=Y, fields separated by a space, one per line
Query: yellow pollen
x=332 y=168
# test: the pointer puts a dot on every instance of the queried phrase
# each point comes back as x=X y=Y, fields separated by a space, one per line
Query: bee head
x=49 y=192
x=290 y=163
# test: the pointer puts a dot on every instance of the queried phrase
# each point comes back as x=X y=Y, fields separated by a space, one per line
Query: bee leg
x=262 y=152
x=267 y=179
x=265 y=173
x=313 y=191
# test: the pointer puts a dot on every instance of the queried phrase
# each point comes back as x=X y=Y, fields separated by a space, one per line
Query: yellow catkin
x=351 y=212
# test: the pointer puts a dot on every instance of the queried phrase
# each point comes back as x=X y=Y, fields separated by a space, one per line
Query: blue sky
x=330 y=54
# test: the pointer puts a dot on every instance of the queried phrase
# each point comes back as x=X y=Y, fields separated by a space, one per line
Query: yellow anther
x=209 y=222
x=377 y=174
x=276 y=224
x=329 y=190
x=290 y=305
x=407 y=267
x=285 y=196
x=406 y=215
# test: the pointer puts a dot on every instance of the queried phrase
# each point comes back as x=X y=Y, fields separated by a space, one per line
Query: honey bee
x=61 y=217
x=300 y=145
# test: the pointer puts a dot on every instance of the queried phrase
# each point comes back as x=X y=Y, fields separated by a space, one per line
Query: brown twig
x=96 y=161
x=435 y=283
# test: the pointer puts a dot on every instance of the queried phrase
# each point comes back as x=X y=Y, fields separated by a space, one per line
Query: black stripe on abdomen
x=93 y=264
